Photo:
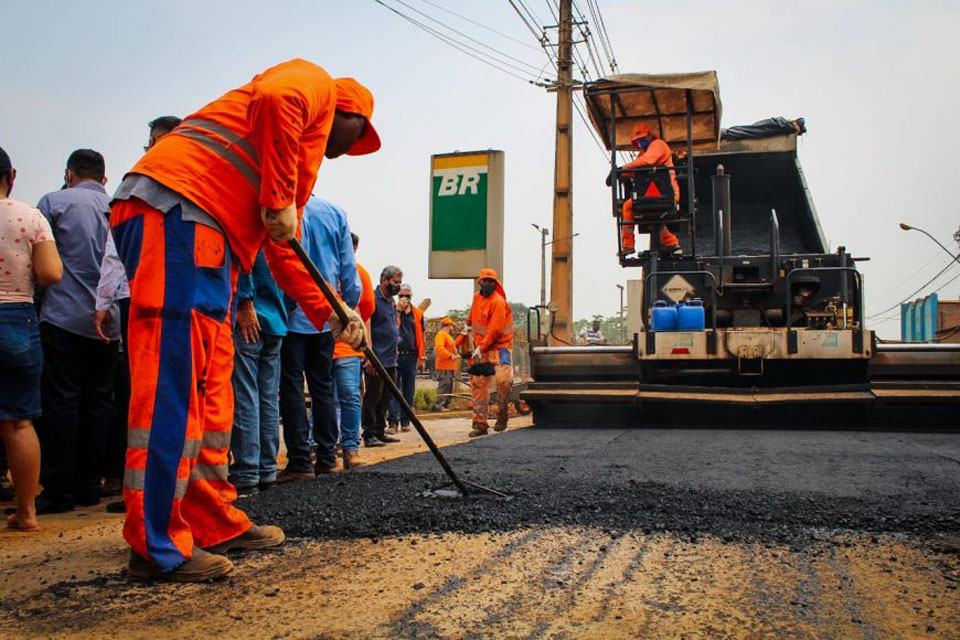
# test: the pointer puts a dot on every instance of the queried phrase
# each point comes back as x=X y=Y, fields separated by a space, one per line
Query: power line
x=481 y=25
x=463 y=48
x=604 y=34
x=536 y=34
x=909 y=297
x=479 y=42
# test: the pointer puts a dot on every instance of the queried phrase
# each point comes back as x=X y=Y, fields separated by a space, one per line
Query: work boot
x=290 y=476
x=201 y=567
x=384 y=437
x=253 y=538
x=373 y=441
x=405 y=427
x=392 y=428
x=501 y=424
x=322 y=468
x=351 y=459
x=479 y=429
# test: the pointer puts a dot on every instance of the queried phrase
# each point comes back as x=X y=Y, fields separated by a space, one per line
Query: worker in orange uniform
x=653 y=152
x=347 y=372
x=491 y=322
x=195 y=210
x=446 y=362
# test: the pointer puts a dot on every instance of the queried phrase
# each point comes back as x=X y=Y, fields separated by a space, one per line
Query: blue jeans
x=346 y=379
x=407 y=381
x=256 y=418
x=21 y=361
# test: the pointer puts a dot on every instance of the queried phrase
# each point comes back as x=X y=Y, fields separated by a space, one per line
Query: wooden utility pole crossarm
x=561 y=274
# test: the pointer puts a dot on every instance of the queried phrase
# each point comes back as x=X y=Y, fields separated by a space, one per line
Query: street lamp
x=907 y=227
x=543 y=262
x=543 y=259
x=623 y=329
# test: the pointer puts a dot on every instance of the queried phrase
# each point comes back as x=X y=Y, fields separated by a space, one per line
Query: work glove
x=476 y=355
x=281 y=224
x=352 y=333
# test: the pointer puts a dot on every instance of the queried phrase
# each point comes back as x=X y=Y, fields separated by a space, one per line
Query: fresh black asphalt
x=783 y=486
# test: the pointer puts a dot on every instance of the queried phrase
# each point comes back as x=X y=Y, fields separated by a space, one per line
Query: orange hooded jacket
x=492 y=317
x=261 y=145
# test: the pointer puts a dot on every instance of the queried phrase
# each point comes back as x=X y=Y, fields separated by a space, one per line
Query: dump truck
x=783 y=323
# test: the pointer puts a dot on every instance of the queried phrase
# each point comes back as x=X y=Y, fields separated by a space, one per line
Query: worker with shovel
x=195 y=210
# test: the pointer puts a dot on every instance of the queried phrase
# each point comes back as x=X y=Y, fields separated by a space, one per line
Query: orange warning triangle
x=652 y=191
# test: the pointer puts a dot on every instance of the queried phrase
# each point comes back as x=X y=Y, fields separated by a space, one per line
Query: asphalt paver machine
x=783 y=314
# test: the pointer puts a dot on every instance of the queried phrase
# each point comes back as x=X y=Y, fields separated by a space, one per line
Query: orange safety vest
x=492 y=321
x=257 y=146
x=418 y=329
x=365 y=308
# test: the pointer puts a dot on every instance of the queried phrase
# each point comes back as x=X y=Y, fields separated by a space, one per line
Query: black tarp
x=766 y=128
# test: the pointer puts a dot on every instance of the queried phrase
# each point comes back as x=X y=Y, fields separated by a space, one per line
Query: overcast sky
x=876 y=81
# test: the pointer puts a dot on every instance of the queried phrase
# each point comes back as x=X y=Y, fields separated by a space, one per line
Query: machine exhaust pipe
x=721 y=211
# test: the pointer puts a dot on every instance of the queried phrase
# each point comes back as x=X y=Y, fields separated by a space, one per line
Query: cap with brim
x=353 y=97
x=447 y=322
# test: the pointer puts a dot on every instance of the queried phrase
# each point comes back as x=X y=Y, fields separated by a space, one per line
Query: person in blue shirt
x=261 y=326
x=385 y=336
x=307 y=351
x=76 y=386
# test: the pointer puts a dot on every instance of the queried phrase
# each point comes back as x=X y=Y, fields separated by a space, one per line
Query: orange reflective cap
x=353 y=97
x=492 y=274
x=447 y=322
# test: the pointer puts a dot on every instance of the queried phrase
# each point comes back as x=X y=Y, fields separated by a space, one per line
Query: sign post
x=466 y=214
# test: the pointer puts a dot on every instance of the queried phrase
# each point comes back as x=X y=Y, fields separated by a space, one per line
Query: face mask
x=643 y=143
x=393 y=289
x=487 y=289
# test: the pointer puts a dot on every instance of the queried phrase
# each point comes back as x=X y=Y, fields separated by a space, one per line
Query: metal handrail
x=857 y=277
x=775 y=245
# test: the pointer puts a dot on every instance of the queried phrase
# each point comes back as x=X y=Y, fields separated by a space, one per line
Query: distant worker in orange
x=654 y=152
x=446 y=363
x=491 y=321
x=229 y=180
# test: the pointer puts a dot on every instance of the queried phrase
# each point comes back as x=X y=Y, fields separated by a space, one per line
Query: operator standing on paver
x=491 y=320
x=191 y=214
x=654 y=152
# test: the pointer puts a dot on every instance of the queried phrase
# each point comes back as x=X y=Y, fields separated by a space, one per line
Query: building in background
x=930 y=319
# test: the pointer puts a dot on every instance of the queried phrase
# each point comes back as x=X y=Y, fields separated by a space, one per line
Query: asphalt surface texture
x=787 y=487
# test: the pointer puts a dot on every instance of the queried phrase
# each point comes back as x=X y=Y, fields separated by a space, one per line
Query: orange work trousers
x=182 y=292
x=480 y=386
x=627 y=239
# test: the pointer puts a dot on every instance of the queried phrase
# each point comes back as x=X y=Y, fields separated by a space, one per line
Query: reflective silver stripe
x=134 y=479
x=226 y=153
x=138 y=438
x=191 y=448
x=216 y=439
x=232 y=136
x=208 y=472
x=507 y=329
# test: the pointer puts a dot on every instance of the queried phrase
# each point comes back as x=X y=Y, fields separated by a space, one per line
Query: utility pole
x=561 y=273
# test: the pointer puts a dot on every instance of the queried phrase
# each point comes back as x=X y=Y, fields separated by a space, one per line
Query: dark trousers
x=76 y=393
x=376 y=403
x=407 y=381
x=444 y=388
x=310 y=355
x=117 y=437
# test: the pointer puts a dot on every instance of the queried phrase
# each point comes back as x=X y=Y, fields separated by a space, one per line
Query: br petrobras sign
x=466 y=213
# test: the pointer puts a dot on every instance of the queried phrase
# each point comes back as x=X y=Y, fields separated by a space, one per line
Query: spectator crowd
x=64 y=315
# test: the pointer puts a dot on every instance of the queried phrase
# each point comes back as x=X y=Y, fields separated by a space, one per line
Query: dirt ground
x=539 y=581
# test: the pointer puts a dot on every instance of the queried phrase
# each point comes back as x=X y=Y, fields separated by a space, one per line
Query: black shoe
x=372 y=441
x=244 y=491
x=266 y=486
x=117 y=507
x=47 y=506
x=387 y=438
